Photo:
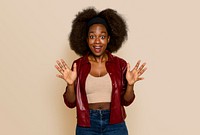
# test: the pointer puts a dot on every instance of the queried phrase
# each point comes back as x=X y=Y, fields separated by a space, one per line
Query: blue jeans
x=100 y=125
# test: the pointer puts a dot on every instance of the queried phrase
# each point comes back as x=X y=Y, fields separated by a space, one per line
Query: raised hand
x=66 y=73
x=133 y=76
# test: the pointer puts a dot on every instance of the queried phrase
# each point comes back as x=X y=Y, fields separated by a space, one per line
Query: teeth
x=97 y=47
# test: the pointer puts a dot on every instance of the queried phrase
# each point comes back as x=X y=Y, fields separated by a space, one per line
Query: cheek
x=89 y=41
x=105 y=41
x=102 y=40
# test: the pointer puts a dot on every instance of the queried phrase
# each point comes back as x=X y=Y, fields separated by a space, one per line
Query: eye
x=103 y=37
x=91 y=36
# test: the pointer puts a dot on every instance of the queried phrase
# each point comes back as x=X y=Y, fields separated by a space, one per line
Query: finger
x=142 y=66
x=64 y=64
x=74 y=67
x=128 y=67
x=59 y=64
x=60 y=76
x=137 y=65
x=142 y=71
x=140 y=79
x=59 y=69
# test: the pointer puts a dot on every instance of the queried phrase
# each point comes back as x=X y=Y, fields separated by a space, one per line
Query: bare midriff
x=99 y=106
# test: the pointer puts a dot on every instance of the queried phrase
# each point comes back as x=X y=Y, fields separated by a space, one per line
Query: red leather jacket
x=116 y=67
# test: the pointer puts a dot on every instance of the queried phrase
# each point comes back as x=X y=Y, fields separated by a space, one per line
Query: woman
x=99 y=84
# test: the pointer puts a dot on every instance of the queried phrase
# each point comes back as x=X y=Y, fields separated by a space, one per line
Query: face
x=98 y=39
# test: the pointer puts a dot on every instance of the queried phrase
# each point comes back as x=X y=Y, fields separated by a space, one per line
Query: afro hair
x=79 y=32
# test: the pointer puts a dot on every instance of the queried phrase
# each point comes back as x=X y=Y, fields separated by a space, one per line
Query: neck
x=99 y=59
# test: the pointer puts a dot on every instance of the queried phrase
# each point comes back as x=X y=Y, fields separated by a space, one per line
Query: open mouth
x=97 y=49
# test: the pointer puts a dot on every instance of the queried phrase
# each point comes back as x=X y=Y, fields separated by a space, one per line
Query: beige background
x=34 y=34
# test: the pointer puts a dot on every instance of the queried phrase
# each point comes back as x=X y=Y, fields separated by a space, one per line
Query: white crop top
x=98 y=89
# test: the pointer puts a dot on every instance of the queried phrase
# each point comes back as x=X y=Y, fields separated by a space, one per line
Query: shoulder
x=78 y=60
x=83 y=60
x=119 y=60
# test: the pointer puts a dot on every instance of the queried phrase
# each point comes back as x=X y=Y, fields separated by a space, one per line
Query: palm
x=133 y=76
x=69 y=76
x=66 y=73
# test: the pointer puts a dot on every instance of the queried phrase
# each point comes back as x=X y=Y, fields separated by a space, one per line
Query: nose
x=97 y=40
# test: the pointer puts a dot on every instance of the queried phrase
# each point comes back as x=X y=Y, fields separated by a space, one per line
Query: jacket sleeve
x=69 y=104
x=124 y=85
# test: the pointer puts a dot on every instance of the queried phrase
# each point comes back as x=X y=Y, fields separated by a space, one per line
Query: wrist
x=69 y=82
x=129 y=88
x=130 y=85
x=70 y=85
x=70 y=88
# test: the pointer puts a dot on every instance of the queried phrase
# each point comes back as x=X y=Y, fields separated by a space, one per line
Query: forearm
x=129 y=94
x=70 y=95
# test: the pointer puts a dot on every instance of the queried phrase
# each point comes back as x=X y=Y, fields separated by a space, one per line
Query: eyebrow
x=94 y=32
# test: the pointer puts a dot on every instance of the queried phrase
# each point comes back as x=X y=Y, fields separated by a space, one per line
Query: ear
x=108 y=39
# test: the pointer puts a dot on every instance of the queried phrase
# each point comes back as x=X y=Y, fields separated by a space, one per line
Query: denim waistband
x=100 y=111
x=100 y=114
